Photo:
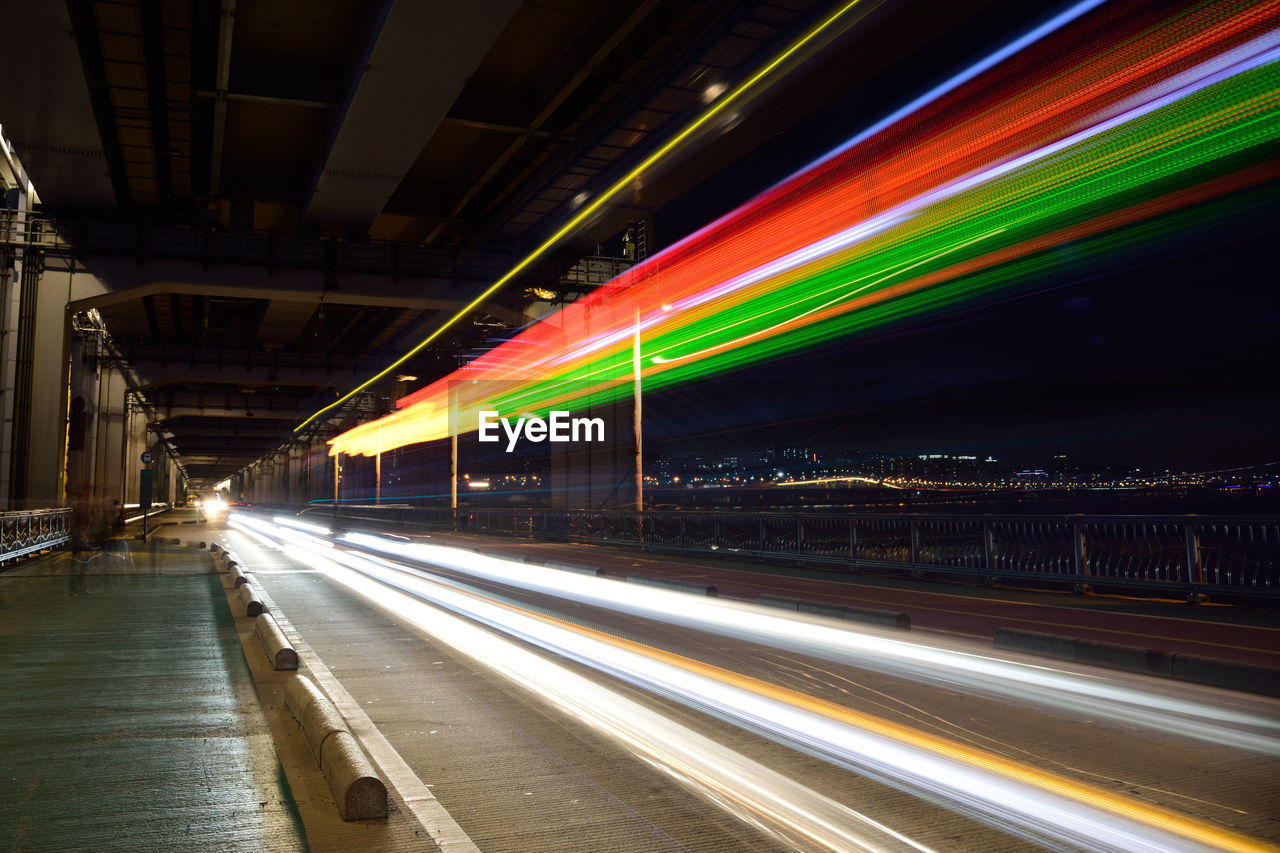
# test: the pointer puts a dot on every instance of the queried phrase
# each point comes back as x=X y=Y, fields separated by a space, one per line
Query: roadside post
x=144 y=489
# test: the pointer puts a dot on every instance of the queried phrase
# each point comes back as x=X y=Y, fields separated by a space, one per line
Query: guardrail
x=34 y=530
x=1174 y=555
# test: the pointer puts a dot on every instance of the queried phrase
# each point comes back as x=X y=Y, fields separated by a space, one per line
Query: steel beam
x=226 y=30
x=157 y=98
x=86 y=35
x=282 y=293
x=421 y=60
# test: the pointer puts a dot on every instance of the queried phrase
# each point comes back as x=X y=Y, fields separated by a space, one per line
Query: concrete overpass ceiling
x=213 y=448
x=212 y=321
x=417 y=64
x=49 y=115
x=290 y=193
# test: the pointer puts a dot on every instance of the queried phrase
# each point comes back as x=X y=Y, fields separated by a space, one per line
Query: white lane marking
x=409 y=789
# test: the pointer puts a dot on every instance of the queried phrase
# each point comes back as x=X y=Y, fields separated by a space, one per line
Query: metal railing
x=34 y=530
x=1175 y=555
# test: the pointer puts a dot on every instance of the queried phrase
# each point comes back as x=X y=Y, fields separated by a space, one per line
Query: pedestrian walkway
x=129 y=719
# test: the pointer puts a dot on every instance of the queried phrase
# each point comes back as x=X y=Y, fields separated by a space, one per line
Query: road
x=591 y=714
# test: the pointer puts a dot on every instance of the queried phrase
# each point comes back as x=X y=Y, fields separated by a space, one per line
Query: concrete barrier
x=1113 y=655
x=238 y=577
x=358 y=792
x=883 y=618
x=214 y=548
x=792 y=604
x=679 y=586
x=1214 y=672
x=281 y=654
x=249 y=598
x=821 y=608
x=1036 y=643
x=498 y=555
x=582 y=570
x=1247 y=678
x=356 y=788
x=863 y=615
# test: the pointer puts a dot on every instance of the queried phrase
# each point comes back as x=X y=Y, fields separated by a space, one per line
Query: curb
x=249 y=597
x=1214 y=672
x=357 y=790
x=863 y=615
x=679 y=586
x=498 y=555
x=582 y=570
x=282 y=655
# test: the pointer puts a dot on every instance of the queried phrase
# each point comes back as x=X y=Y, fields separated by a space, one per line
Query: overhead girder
x=572 y=76
x=215 y=408
x=157 y=364
x=231 y=428
x=417 y=42
x=61 y=148
x=289 y=286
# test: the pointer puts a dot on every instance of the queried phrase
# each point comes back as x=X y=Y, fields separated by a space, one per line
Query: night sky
x=1167 y=364
x=1164 y=356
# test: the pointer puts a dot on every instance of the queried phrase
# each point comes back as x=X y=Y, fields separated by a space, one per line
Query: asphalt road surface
x=550 y=710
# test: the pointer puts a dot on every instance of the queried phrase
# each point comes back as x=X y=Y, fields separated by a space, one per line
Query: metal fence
x=1179 y=555
x=33 y=530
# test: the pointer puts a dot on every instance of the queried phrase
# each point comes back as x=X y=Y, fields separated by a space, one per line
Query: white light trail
x=1013 y=797
x=745 y=787
x=1043 y=685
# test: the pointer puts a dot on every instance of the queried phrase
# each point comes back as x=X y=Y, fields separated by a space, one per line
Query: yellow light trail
x=982 y=775
x=618 y=187
x=1154 y=816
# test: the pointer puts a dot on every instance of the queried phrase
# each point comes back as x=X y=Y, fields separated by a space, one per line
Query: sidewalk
x=129 y=719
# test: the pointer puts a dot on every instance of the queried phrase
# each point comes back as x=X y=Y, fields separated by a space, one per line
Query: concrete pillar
x=46 y=441
x=136 y=442
x=280 y=483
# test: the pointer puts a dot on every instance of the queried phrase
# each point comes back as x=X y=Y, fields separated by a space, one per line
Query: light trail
x=988 y=675
x=772 y=801
x=962 y=197
x=704 y=121
x=1020 y=799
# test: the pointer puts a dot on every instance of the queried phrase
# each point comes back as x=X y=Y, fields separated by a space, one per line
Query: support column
x=12 y=369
